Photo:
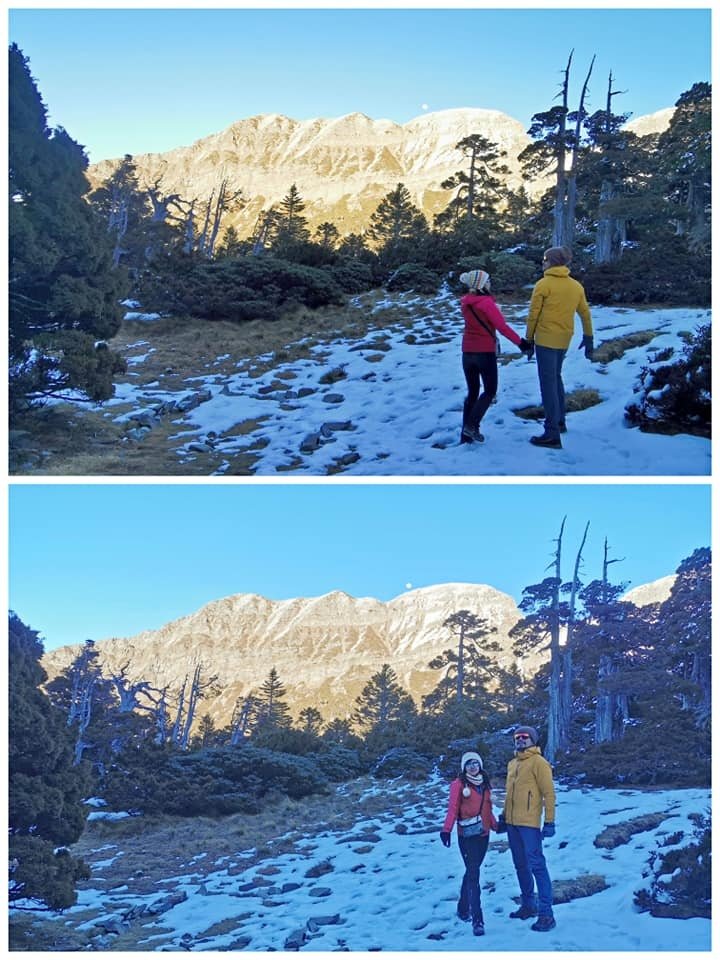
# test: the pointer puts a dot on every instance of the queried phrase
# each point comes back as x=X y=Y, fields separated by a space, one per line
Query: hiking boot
x=545 y=441
x=472 y=434
x=478 y=928
x=543 y=924
x=524 y=913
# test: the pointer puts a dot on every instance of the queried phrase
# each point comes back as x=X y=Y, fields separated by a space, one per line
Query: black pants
x=477 y=367
x=472 y=850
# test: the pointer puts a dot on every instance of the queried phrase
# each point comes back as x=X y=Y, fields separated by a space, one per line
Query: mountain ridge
x=325 y=648
x=342 y=166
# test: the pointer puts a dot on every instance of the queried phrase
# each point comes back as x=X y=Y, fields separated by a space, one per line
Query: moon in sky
x=425 y=106
x=408 y=586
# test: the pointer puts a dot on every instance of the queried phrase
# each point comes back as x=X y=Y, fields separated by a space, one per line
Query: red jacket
x=462 y=808
x=476 y=339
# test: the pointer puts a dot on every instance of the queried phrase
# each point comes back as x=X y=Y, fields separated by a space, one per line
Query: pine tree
x=480 y=188
x=327 y=235
x=382 y=700
x=64 y=294
x=45 y=788
x=397 y=227
x=310 y=720
x=685 y=163
x=271 y=707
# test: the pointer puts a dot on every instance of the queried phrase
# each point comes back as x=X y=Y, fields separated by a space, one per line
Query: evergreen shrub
x=676 y=755
x=217 y=781
x=250 y=288
x=643 y=275
x=676 y=397
x=340 y=763
x=402 y=762
x=682 y=878
x=413 y=276
x=352 y=276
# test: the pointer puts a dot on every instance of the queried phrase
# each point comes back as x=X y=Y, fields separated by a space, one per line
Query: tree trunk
x=554 y=719
x=565 y=712
x=611 y=231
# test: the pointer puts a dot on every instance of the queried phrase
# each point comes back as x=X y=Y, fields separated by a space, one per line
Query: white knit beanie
x=475 y=279
x=470 y=755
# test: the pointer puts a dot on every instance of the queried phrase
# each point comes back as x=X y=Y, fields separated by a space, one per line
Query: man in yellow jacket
x=528 y=789
x=551 y=320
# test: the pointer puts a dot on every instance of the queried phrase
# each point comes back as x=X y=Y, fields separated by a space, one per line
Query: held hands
x=587 y=346
x=548 y=830
x=527 y=347
x=501 y=825
x=445 y=837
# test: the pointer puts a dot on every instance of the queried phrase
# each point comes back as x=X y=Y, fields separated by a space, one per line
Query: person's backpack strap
x=490 y=329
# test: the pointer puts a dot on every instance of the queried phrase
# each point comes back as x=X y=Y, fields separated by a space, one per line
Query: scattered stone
x=338 y=425
x=333 y=398
x=137 y=433
x=297 y=939
x=320 y=892
x=239 y=944
x=146 y=418
x=315 y=922
x=289 y=887
x=333 y=376
x=199 y=447
x=319 y=870
x=305 y=392
x=310 y=443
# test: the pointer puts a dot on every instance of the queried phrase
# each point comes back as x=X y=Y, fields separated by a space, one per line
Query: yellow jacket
x=555 y=301
x=529 y=787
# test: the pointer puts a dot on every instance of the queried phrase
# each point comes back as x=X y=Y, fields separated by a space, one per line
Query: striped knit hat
x=475 y=279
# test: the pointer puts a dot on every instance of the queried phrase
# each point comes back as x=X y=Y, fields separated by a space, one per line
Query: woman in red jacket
x=471 y=805
x=483 y=322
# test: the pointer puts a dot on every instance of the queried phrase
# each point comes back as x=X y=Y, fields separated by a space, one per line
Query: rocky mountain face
x=324 y=649
x=342 y=167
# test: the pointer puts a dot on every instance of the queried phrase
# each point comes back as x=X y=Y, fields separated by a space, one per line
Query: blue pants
x=472 y=850
x=526 y=849
x=552 y=390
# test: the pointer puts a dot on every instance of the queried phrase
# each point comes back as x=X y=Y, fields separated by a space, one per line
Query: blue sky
x=99 y=560
x=147 y=80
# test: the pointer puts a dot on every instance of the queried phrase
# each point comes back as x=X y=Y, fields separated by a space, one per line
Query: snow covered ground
x=397 y=408
x=374 y=888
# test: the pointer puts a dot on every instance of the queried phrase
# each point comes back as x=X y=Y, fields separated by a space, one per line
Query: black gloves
x=501 y=825
x=445 y=837
x=527 y=346
x=587 y=345
x=548 y=830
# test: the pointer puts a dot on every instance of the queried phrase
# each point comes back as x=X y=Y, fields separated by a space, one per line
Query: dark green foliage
x=247 y=289
x=676 y=397
x=217 y=781
x=383 y=701
x=403 y=762
x=340 y=763
x=352 y=276
x=45 y=808
x=662 y=748
x=413 y=276
x=63 y=291
x=688 y=891
x=641 y=275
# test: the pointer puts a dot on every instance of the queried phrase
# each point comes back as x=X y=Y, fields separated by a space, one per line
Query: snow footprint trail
x=390 y=404
x=387 y=883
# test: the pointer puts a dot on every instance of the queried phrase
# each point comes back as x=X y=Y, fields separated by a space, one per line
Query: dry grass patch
x=621 y=833
x=575 y=401
x=585 y=886
x=616 y=348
